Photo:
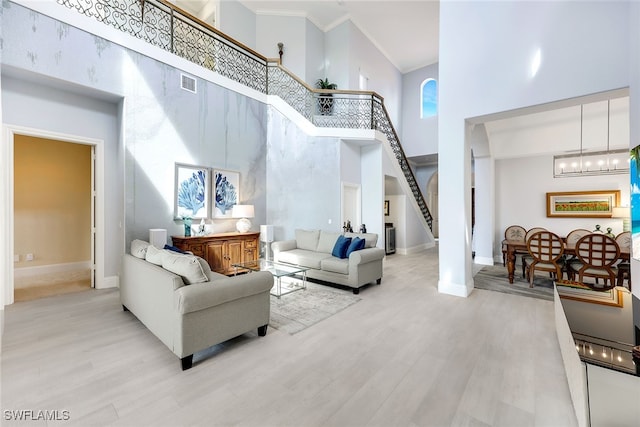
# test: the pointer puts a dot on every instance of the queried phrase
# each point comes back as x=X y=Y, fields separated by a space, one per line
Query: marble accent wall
x=303 y=179
x=165 y=124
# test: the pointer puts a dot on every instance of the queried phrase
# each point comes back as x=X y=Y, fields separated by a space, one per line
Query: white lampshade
x=621 y=212
x=158 y=237
x=243 y=212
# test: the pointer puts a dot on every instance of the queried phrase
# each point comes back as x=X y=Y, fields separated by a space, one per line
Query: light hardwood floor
x=402 y=356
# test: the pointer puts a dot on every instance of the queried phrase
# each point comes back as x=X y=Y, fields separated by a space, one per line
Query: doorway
x=53 y=217
x=54 y=228
x=351 y=205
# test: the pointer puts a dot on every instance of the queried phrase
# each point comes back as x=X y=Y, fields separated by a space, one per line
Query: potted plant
x=325 y=100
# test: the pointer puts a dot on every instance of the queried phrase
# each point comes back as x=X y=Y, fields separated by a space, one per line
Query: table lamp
x=243 y=212
x=623 y=212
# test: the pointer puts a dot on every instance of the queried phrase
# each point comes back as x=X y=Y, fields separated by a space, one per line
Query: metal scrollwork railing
x=383 y=124
x=168 y=27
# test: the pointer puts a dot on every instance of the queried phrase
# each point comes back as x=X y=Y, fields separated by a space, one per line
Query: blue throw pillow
x=341 y=246
x=356 y=244
x=174 y=249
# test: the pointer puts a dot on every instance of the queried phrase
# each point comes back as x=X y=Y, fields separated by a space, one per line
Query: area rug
x=495 y=278
x=298 y=310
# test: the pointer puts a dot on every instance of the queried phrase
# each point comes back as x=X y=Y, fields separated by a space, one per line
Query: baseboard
x=415 y=249
x=483 y=260
x=109 y=282
x=455 y=289
x=50 y=269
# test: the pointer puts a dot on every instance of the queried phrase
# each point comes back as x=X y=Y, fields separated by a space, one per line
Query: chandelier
x=607 y=162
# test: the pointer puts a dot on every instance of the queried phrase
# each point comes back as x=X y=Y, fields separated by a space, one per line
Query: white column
x=454 y=192
x=484 y=229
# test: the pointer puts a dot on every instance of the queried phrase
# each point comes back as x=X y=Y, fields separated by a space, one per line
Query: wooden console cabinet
x=221 y=250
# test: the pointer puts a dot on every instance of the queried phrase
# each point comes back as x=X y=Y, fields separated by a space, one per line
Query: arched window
x=428 y=98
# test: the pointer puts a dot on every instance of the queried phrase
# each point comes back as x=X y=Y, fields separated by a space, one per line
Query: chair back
x=533 y=231
x=515 y=232
x=545 y=246
x=575 y=235
x=597 y=250
x=624 y=240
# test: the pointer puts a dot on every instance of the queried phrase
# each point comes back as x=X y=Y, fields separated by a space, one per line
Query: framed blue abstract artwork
x=191 y=191
x=226 y=192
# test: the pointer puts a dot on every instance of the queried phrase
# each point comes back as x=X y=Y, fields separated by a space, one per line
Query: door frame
x=7 y=207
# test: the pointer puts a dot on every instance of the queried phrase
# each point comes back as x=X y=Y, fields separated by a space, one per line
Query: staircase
x=170 y=28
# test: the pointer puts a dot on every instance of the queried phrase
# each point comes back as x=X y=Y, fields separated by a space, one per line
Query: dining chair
x=513 y=232
x=596 y=253
x=526 y=258
x=545 y=254
x=624 y=267
x=570 y=241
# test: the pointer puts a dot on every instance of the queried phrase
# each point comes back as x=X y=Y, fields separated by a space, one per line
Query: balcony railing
x=170 y=28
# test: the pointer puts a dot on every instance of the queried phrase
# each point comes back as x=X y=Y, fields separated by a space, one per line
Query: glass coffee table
x=279 y=271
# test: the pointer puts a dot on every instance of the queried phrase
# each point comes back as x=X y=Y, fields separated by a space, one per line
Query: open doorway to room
x=54 y=216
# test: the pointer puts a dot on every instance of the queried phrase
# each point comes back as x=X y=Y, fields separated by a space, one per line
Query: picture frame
x=191 y=191
x=386 y=208
x=579 y=292
x=225 y=192
x=582 y=204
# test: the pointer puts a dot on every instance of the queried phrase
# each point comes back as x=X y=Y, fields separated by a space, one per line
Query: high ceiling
x=405 y=31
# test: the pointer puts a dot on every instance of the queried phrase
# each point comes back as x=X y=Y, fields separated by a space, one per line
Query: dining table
x=515 y=247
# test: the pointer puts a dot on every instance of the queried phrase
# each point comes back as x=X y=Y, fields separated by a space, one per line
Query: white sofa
x=313 y=249
x=191 y=317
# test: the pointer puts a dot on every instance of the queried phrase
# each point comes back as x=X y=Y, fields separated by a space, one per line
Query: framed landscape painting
x=191 y=191
x=582 y=204
x=226 y=192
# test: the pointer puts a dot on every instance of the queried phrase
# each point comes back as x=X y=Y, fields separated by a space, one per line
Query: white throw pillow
x=139 y=248
x=186 y=266
x=154 y=255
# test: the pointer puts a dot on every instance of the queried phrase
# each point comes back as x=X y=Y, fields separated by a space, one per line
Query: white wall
x=384 y=77
x=483 y=72
x=314 y=54
x=419 y=135
x=235 y=20
x=372 y=190
x=290 y=30
x=337 y=55
x=348 y=52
